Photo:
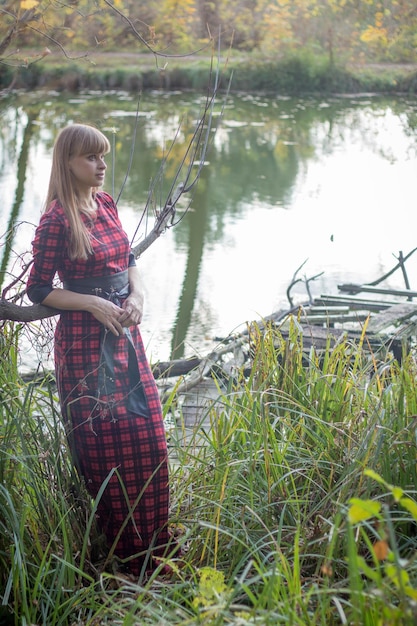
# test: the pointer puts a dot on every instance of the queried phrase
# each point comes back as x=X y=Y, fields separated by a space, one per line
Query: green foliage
x=377 y=554
x=294 y=74
x=44 y=550
x=296 y=505
x=281 y=459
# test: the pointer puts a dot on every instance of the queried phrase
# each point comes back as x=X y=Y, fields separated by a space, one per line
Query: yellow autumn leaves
x=28 y=4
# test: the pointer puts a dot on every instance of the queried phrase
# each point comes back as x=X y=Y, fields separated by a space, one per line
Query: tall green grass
x=296 y=506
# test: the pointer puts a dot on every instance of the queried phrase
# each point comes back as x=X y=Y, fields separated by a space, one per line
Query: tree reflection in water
x=287 y=180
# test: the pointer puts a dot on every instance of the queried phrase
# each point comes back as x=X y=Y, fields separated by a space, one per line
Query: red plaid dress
x=106 y=438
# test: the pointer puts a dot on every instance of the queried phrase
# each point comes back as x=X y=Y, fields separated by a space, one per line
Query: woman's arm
x=106 y=312
x=48 y=248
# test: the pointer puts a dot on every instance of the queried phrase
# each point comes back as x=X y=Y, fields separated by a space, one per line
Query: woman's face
x=88 y=170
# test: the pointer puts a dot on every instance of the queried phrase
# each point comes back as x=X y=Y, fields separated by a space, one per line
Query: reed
x=296 y=506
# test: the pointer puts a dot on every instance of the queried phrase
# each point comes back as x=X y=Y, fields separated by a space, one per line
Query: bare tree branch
x=137 y=34
x=24 y=21
x=196 y=155
x=394 y=269
x=161 y=224
x=16 y=313
x=13 y=30
x=193 y=162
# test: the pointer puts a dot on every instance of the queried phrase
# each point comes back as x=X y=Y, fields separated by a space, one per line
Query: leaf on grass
x=326 y=569
x=360 y=510
x=372 y=474
x=372 y=574
x=381 y=549
x=398 y=576
x=411 y=592
x=410 y=505
x=397 y=492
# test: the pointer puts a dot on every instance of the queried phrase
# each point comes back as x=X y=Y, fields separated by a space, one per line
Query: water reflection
x=22 y=163
x=198 y=225
x=287 y=180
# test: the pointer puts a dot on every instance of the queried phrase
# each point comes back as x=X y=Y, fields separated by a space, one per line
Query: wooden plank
x=336 y=319
x=357 y=303
x=353 y=289
x=395 y=315
x=198 y=402
x=320 y=337
x=328 y=309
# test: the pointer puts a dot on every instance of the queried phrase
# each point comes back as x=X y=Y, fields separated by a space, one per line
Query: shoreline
x=135 y=72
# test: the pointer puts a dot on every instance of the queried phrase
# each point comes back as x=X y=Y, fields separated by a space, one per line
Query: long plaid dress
x=106 y=437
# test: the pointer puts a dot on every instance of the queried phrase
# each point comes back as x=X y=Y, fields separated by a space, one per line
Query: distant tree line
x=343 y=30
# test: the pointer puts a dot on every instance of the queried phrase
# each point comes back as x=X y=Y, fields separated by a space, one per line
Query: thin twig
x=132 y=150
x=195 y=153
x=156 y=53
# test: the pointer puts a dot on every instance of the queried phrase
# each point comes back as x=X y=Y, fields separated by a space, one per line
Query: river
x=325 y=185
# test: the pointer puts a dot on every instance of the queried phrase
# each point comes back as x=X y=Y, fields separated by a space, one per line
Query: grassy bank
x=295 y=75
x=298 y=509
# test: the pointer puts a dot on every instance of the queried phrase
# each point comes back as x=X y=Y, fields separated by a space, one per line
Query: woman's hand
x=113 y=317
x=106 y=312
x=133 y=305
x=109 y=314
x=132 y=310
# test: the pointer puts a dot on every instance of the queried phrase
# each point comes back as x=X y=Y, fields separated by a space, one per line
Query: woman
x=109 y=400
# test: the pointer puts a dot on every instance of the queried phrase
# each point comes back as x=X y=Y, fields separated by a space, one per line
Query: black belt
x=115 y=288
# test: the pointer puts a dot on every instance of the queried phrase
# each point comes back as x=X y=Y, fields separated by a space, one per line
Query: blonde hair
x=74 y=140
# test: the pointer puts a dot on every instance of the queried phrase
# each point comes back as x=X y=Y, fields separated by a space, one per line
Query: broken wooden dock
x=387 y=317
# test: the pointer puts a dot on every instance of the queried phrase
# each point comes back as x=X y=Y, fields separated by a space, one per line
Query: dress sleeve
x=48 y=247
